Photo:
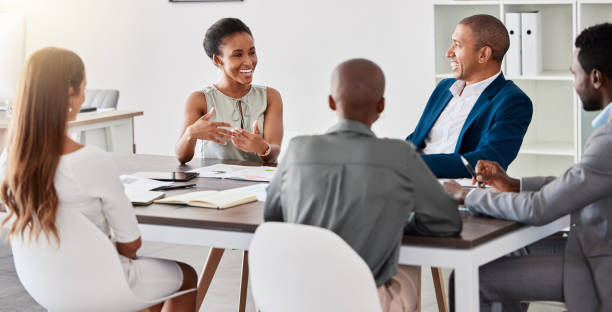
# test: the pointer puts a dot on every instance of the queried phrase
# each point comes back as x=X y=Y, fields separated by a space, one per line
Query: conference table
x=481 y=240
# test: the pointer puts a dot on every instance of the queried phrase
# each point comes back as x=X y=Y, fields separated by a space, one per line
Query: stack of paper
x=138 y=189
x=142 y=198
x=137 y=183
x=245 y=173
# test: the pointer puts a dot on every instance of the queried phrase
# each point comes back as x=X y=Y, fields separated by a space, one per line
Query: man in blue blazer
x=478 y=114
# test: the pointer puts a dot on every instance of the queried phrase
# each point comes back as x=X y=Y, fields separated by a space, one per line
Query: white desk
x=482 y=240
x=112 y=131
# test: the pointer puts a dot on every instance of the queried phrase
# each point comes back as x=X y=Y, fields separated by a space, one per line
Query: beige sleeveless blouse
x=254 y=105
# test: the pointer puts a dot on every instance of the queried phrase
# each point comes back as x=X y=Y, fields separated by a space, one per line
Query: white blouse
x=443 y=136
x=87 y=180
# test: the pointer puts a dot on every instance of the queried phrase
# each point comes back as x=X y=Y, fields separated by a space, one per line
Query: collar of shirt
x=603 y=117
x=473 y=89
x=348 y=125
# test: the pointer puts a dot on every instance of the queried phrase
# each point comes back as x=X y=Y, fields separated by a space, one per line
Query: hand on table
x=250 y=142
x=204 y=129
x=457 y=191
x=493 y=175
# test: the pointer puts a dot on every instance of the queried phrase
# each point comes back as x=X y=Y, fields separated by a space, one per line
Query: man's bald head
x=357 y=89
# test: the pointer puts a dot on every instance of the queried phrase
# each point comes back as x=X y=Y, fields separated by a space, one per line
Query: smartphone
x=167 y=176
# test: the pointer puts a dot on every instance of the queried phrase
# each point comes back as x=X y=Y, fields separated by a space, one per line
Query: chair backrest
x=101 y=98
x=83 y=274
x=305 y=268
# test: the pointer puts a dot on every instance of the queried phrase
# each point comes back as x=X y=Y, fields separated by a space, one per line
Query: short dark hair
x=595 y=45
x=489 y=31
x=221 y=29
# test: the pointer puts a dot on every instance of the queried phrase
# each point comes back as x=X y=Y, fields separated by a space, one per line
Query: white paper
x=258 y=190
x=244 y=173
x=142 y=196
x=217 y=171
x=131 y=182
x=462 y=182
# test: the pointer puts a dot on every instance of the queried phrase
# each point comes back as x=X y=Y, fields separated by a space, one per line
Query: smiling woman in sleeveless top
x=232 y=119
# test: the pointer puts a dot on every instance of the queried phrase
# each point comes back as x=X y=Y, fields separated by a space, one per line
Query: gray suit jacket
x=585 y=192
x=365 y=189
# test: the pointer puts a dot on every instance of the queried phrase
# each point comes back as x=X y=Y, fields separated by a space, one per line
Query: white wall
x=151 y=51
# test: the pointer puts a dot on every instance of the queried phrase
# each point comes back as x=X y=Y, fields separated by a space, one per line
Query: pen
x=173 y=187
x=471 y=171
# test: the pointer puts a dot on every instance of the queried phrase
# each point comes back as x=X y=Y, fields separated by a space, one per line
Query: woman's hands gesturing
x=250 y=142
x=204 y=129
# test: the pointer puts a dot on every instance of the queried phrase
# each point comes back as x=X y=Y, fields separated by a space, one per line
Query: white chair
x=83 y=274
x=303 y=268
x=101 y=98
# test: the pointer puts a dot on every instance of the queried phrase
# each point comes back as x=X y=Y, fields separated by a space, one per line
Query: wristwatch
x=267 y=151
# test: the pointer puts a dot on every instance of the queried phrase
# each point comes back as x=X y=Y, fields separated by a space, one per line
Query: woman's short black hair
x=595 y=45
x=221 y=29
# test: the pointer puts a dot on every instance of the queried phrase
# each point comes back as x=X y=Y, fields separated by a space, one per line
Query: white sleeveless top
x=254 y=105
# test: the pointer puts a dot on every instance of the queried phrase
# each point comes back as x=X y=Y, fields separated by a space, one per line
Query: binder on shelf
x=513 y=56
x=531 y=43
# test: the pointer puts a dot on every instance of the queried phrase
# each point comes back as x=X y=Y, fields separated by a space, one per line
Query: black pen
x=471 y=170
x=173 y=187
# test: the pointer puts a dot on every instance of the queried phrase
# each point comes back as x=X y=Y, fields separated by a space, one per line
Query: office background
x=151 y=50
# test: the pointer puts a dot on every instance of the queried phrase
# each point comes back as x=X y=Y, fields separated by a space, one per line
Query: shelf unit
x=559 y=127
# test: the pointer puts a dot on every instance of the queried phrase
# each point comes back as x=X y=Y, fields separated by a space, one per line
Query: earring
x=218 y=70
x=70 y=109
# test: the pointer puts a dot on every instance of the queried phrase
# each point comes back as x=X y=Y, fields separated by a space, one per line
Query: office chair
x=303 y=268
x=98 y=98
x=83 y=273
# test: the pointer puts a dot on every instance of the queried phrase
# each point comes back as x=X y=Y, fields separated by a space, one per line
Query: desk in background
x=482 y=239
x=112 y=131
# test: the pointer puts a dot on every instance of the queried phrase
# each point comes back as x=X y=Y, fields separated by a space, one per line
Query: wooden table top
x=86 y=118
x=246 y=218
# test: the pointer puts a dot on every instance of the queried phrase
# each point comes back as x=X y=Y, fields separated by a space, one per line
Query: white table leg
x=466 y=288
x=109 y=134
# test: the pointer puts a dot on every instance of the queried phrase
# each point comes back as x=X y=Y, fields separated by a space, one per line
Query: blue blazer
x=493 y=130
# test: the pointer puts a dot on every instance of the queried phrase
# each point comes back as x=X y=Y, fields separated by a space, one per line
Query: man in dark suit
x=478 y=114
x=575 y=269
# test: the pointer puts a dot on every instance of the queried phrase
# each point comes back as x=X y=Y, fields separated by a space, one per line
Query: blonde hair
x=36 y=138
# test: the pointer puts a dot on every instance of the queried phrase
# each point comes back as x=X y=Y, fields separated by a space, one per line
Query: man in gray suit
x=367 y=190
x=580 y=273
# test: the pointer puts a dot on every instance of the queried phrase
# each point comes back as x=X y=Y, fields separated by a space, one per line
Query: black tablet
x=167 y=176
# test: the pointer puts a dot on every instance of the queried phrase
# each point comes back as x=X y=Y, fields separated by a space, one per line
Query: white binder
x=531 y=43
x=513 y=56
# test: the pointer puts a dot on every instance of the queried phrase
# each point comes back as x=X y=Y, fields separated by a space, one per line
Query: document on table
x=235 y=172
x=143 y=184
x=142 y=198
x=462 y=182
x=258 y=190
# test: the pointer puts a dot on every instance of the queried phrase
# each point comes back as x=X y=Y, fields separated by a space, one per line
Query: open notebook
x=210 y=199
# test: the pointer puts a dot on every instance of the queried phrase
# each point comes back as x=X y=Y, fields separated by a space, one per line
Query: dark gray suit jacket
x=585 y=192
x=365 y=189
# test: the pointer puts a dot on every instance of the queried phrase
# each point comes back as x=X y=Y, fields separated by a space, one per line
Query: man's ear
x=596 y=78
x=332 y=104
x=485 y=54
x=381 y=105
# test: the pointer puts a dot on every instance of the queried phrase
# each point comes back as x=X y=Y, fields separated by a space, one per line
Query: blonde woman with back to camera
x=43 y=170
